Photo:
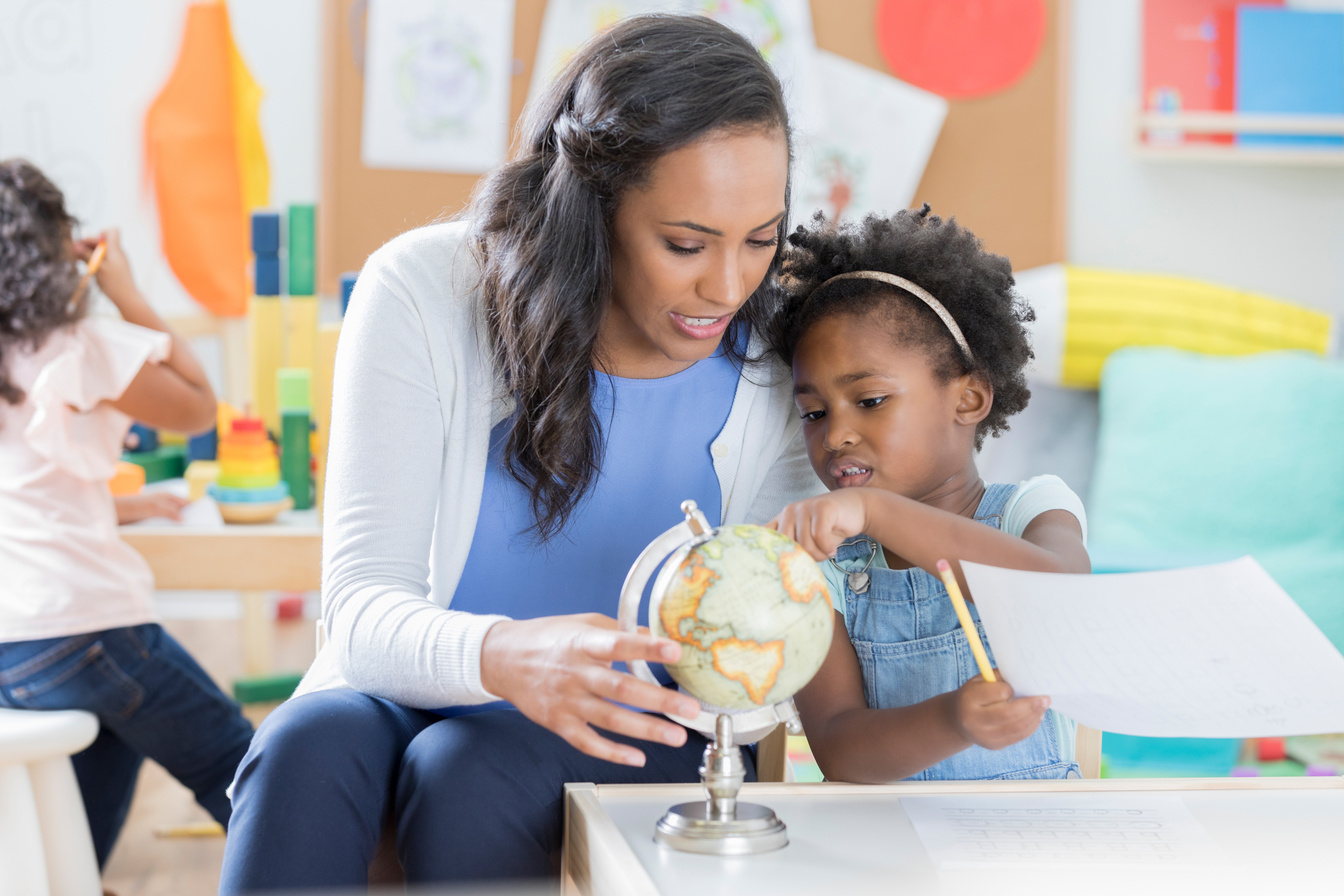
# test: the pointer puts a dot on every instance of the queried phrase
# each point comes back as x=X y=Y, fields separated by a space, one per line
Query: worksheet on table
x=986 y=831
x=1212 y=651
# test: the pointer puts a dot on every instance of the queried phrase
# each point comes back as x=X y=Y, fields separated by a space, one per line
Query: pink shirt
x=63 y=568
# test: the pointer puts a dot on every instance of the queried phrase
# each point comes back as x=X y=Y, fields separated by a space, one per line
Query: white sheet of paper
x=780 y=29
x=1047 y=830
x=437 y=75
x=203 y=513
x=1210 y=651
x=874 y=145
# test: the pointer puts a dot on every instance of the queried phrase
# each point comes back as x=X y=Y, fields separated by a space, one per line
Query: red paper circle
x=960 y=48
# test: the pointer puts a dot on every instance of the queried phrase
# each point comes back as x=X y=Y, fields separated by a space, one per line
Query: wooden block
x=266 y=344
x=327 y=336
x=301 y=331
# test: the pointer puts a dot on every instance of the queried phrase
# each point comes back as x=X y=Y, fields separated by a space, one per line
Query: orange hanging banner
x=192 y=154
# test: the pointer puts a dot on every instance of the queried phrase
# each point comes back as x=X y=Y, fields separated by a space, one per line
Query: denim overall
x=911 y=648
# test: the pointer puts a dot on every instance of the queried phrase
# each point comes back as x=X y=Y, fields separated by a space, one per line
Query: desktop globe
x=753 y=616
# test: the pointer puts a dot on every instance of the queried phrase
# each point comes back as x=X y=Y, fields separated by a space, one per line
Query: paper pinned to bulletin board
x=780 y=29
x=437 y=75
x=871 y=152
x=998 y=163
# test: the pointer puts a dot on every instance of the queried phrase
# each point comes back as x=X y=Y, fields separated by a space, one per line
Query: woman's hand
x=134 y=508
x=988 y=714
x=819 y=524
x=557 y=671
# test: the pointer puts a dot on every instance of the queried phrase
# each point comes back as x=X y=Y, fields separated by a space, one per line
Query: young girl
x=76 y=626
x=907 y=347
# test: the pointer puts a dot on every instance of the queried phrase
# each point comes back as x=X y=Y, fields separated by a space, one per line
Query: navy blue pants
x=473 y=797
x=151 y=699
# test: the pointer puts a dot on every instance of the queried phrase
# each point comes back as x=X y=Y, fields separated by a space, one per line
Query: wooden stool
x=45 y=844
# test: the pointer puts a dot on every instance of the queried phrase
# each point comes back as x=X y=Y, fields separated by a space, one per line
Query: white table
x=285 y=555
x=1274 y=835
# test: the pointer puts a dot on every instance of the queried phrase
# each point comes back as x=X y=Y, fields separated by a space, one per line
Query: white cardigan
x=415 y=398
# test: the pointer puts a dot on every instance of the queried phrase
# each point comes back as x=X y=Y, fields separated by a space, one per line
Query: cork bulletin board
x=998 y=165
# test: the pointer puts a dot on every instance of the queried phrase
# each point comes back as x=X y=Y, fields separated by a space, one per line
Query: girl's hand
x=557 y=671
x=134 y=508
x=988 y=714
x=819 y=524
x=114 y=274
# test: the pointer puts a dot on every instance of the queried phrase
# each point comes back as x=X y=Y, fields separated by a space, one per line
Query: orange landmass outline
x=809 y=590
x=683 y=599
x=729 y=654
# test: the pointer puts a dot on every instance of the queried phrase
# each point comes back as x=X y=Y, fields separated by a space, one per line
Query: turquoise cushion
x=1202 y=458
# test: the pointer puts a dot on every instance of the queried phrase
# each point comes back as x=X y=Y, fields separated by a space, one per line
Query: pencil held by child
x=964 y=617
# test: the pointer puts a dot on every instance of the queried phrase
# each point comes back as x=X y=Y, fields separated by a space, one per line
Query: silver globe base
x=719 y=825
x=752 y=829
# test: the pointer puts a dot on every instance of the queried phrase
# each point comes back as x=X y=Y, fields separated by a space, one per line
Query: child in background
x=76 y=626
x=908 y=348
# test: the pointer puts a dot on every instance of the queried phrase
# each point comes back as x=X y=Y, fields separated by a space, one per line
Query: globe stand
x=719 y=825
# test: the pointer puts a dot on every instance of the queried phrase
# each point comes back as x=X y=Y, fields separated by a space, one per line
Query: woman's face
x=688 y=249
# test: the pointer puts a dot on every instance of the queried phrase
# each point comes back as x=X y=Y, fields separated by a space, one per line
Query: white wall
x=1276 y=229
x=76 y=77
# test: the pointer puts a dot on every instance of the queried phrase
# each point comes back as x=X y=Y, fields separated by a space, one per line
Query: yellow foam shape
x=266 y=335
x=301 y=332
x=1108 y=310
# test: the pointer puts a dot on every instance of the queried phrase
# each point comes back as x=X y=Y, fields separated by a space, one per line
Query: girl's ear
x=975 y=398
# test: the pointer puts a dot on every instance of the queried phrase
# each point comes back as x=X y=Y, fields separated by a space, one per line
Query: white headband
x=918 y=292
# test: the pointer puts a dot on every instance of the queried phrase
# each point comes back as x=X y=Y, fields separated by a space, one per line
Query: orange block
x=229 y=451
x=128 y=480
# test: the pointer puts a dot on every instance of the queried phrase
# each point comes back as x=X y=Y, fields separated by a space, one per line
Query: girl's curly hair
x=944 y=258
x=38 y=276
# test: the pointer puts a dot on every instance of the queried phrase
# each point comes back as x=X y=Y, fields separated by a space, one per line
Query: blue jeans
x=151 y=699
x=473 y=797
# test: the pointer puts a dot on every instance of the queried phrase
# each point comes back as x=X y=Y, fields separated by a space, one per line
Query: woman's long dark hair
x=38 y=276
x=542 y=225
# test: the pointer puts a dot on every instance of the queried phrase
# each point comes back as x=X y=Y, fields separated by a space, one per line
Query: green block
x=295 y=460
x=302 y=249
x=164 y=462
x=291 y=389
x=266 y=688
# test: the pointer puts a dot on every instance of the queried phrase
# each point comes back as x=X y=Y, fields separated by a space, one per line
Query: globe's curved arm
x=752 y=724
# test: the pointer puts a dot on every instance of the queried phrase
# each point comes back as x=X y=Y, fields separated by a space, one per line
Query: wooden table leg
x=258 y=634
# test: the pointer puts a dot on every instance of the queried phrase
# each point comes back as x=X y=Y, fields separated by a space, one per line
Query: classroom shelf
x=1146 y=123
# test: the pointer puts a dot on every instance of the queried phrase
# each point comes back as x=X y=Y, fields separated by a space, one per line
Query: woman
x=522 y=401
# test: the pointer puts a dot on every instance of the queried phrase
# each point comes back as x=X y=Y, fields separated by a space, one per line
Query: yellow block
x=199 y=475
x=1108 y=310
x=266 y=343
x=301 y=332
x=224 y=416
x=327 y=336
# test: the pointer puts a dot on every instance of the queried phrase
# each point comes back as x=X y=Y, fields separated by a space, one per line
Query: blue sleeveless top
x=656 y=436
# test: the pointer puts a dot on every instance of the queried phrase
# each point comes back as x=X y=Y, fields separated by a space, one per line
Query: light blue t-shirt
x=656 y=435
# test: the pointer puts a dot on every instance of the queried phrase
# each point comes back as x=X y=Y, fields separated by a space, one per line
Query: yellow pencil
x=967 y=624
x=96 y=259
x=95 y=262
